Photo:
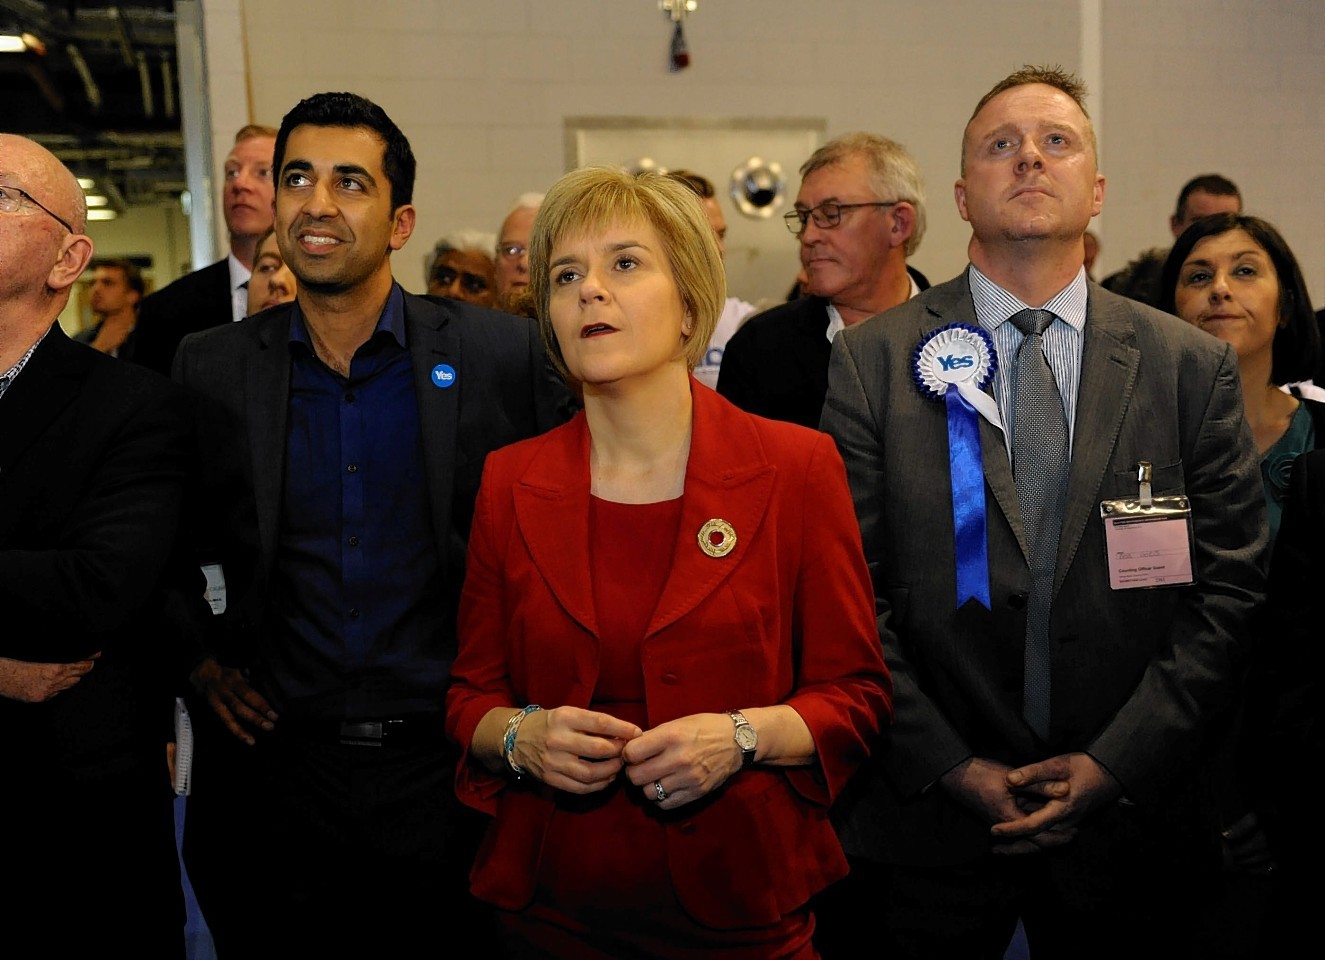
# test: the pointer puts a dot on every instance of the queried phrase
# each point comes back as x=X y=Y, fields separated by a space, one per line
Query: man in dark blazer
x=215 y=294
x=860 y=213
x=92 y=467
x=1086 y=819
x=343 y=443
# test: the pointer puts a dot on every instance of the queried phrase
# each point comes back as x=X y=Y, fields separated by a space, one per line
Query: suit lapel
x=430 y=343
x=267 y=400
x=552 y=512
x=812 y=357
x=1109 y=366
x=727 y=478
x=952 y=303
x=48 y=383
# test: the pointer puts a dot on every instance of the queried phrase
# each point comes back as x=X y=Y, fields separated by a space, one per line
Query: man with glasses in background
x=461 y=267
x=859 y=214
x=513 y=250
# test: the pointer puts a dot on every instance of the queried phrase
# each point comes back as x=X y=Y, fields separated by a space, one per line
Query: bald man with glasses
x=92 y=466
x=859 y=214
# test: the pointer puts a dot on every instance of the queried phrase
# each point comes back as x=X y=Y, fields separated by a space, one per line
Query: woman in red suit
x=681 y=587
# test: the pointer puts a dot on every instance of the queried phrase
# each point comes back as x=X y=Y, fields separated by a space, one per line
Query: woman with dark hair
x=1233 y=276
x=681 y=587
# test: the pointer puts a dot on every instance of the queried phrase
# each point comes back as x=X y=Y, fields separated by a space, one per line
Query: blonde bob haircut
x=591 y=200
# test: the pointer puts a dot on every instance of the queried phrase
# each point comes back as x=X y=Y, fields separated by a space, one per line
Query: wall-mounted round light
x=758 y=188
x=643 y=164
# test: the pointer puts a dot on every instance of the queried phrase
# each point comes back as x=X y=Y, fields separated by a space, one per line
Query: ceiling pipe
x=145 y=82
x=121 y=35
x=90 y=88
x=167 y=87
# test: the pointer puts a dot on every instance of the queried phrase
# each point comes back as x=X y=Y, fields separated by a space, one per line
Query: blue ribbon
x=968 y=499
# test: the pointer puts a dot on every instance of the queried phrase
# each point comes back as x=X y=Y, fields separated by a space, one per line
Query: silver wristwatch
x=746 y=737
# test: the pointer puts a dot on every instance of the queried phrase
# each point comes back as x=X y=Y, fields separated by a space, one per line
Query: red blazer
x=786 y=617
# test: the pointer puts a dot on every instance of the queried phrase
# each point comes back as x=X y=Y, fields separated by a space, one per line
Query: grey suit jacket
x=1135 y=674
x=503 y=392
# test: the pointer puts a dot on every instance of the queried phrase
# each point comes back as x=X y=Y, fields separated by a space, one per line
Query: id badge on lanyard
x=1149 y=539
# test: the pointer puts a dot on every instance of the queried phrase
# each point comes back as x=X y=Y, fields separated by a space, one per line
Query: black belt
x=419 y=728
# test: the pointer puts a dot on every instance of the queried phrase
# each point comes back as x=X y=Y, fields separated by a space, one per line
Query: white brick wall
x=481 y=88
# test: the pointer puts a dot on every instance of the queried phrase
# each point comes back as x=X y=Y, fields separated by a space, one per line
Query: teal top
x=1277 y=464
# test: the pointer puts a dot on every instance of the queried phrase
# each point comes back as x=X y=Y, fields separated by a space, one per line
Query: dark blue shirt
x=356 y=624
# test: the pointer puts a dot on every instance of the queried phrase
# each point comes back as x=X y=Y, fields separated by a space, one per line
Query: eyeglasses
x=512 y=251
x=11 y=199
x=826 y=216
x=469 y=282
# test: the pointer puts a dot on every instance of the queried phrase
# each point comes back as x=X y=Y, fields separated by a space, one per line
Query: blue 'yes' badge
x=443 y=376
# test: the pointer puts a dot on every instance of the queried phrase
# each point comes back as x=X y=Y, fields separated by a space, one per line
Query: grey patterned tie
x=1039 y=467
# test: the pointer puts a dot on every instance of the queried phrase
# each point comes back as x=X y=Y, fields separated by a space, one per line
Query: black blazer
x=196 y=301
x=776 y=364
x=240 y=373
x=1285 y=700
x=92 y=467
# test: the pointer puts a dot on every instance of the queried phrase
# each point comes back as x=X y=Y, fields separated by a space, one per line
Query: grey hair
x=894 y=173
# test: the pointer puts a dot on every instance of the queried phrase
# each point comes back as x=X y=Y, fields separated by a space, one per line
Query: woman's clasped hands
x=583 y=751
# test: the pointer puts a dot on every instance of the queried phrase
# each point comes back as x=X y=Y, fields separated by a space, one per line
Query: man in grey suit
x=342 y=444
x=1045 y=758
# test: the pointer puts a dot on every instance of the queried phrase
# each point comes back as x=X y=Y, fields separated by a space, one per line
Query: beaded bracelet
x=508 y=741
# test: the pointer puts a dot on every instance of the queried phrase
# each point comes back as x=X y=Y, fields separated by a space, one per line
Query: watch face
x=746 y=738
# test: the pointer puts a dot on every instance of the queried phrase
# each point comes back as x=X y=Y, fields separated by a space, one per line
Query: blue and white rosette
x=953 y=364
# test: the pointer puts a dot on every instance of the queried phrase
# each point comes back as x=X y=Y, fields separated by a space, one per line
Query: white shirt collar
x=835 y=323
x=239 y=277
x=995 y=305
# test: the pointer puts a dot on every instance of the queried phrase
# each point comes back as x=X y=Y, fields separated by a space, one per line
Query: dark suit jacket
x=241 y=374
x=92 y=466
x=776 y=364
x=125 y=351
x=784 y=618
x=196 y=301
x=1285 y=704
x=1136 y=674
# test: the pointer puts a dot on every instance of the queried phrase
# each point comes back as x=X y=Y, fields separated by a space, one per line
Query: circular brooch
x=956 y=354
x=717 y=538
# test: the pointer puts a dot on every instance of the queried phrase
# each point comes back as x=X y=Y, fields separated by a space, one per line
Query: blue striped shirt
x=1063 y=340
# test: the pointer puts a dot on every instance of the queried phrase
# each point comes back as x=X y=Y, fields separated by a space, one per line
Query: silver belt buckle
x=367 y=733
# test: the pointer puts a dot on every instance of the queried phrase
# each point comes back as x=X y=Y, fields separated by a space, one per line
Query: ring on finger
x=658 y=790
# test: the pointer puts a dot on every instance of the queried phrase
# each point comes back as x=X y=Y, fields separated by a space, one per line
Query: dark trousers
x=336 y=850
x=1122 y=888
x=90 y=858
